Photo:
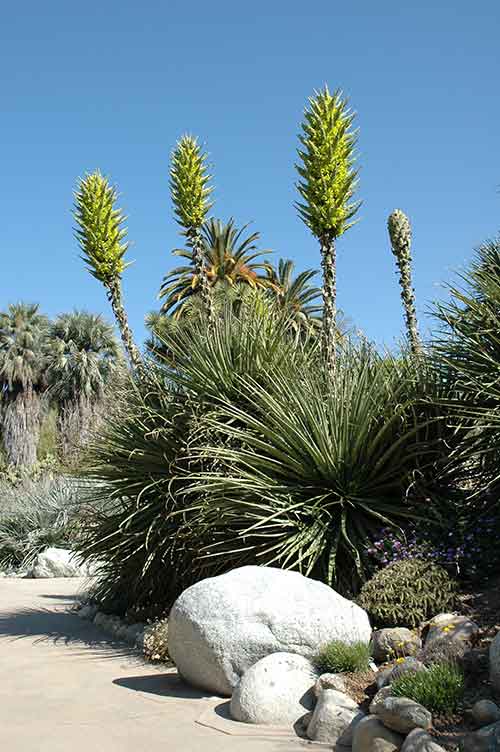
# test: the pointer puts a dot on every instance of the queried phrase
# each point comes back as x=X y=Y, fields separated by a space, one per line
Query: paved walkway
x=65 y=688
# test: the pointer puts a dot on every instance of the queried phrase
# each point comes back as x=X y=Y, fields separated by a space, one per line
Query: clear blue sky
x=114 y=84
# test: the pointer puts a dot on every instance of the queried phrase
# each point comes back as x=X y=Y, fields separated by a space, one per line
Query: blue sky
x=113 y=85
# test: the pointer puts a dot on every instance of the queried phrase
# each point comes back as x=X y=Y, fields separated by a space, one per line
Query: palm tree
x=399 y=228
x=23 y=342
x=102 y=237
x=229 y=258
x=84 y=356
x=297 y=295
x=190 y=190
x=327 y=184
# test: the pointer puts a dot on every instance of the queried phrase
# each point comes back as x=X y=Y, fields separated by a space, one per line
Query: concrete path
x=64 y=687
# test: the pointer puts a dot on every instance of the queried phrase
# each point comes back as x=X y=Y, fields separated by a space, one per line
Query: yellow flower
x=400 y=660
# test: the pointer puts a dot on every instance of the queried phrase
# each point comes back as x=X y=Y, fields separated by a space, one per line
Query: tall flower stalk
x=101 y=233
x=190 y=190
x=328 y=180
x=399 y=228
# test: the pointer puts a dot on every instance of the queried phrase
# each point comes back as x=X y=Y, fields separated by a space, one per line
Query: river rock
x=277 y=690
x=395 y=642
x=370 y=735
x=403 y=715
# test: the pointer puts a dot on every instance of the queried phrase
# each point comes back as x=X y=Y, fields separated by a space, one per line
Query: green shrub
x=340 y=657
x=438 y=688
x=239 y=451
x=407 y=593
x=36 y=515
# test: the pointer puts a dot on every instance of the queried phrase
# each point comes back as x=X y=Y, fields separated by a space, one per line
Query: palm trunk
x=21 y=428
x=408 y=298
x=196 y=244
x=115 y=298
x=75 y=421
x=329 y=329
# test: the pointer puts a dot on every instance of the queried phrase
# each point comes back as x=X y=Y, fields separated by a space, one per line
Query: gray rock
x=405 y=667
x=397 y=642
x=495 y=663
x=487 y=739
x=485 y=712
x=87 y=612
x=449 y=628
x=383 y=677
x=329 y=681
x=370 y=735
x=419 y=740
x=277 y=690
x=221 y=626
x=379 y=699
x=331 y=722
x=58 y=562
x=403 y=715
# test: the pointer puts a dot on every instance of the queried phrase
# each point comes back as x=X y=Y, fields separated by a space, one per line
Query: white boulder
x=277 y=691
x=59 y=562
x=221 y=626
x=334 y=719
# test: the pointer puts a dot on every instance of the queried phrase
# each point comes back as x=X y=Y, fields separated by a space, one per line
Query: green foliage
x=23 y=340
x=35 y=515
x=100 y=231
x=407 y=593
x=439 y=688
x=230 y=258
x=297 y=296
x=190 y=183
x=328 y=179
x=236 y=451
x=83 y=357
x=468 y=349
x=341 y=657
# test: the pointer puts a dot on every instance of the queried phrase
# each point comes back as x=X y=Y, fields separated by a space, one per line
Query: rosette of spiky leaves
x=101 y=234
x=190 y=190
x=399 y=228
x=328 y=180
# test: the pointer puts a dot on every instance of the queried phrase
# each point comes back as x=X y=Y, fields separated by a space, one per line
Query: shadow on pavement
x=165 y=685
x=60 y=626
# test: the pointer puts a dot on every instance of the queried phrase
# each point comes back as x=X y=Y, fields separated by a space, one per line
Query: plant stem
x=116 y=299
x=329 y=329
x=196 y=243
x=408 y=298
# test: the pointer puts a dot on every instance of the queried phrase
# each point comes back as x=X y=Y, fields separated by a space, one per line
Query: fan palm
x=84 y=356
x=230 y=258
x=327 y=184
x=297 y=296
x=23 y=340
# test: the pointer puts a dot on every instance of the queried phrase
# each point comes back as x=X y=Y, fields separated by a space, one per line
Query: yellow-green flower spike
x=190 y=183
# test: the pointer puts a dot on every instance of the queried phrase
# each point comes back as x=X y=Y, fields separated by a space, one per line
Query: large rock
x=485 y=712
x=370 y=735
x=449 y=628
x=221 y=626
x=419 y=740
x=403 y=715
x=495 y=663
x=380 y=698
x=59 y=562
x=277 y=690
x=487 y=739
x=395 y=642
x=407 y=666
x=334 y=719
x=329 y=681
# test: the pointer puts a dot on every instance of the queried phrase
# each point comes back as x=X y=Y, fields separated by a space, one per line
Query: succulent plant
x=407 y=593
x=399 y=228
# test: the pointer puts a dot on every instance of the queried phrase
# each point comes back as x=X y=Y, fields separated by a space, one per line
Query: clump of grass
x=339 y=657
x=439 y=688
